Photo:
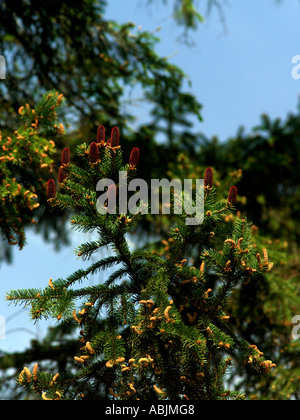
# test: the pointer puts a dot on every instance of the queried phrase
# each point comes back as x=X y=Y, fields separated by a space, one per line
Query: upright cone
x=114 y=138
x=208 y=177
x=65 y=156
x=94 y=153
x=50 y=188
x=232 y=196
x=101 y=134
x=134 y=156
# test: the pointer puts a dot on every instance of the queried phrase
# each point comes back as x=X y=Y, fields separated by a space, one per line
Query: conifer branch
x=156 y=326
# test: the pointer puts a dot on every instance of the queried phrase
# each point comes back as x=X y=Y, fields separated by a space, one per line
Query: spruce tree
x=158 y=326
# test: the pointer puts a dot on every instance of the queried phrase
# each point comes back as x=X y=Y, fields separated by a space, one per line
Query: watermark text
x=296 y=68
x=2 y=328
x=296 y=329
x=180 y=200
x=2 y=67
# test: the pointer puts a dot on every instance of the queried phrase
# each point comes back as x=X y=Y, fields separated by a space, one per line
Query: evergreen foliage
x=104 y=69
x=27 y=156
x=157 y=327
x=51 y=45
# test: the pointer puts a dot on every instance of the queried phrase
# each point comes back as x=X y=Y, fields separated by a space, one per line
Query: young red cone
x=101 y=134
x=134 y=156
x=232 y=196
x=94 y=153
x=208 y=177
x=65 y=156
x=50 y=188
x=62 y=174
x=114 y=138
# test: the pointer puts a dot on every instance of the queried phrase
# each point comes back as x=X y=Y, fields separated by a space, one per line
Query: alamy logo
x=296 y=329
x=2 y=328
x=296 y=69
x=2 y=67
x=138 y=202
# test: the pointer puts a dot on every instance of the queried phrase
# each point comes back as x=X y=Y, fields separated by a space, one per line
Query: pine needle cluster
x=155 y=328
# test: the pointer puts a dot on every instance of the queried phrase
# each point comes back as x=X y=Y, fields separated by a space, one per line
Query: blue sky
x=236 y=74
